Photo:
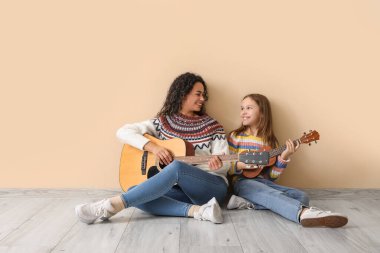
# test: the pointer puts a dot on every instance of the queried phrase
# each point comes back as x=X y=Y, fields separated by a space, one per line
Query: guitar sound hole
x=162 y=165
x=152 y=171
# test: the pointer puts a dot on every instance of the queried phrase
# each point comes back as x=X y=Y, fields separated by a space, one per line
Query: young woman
x=179 y=189
x=261 y=192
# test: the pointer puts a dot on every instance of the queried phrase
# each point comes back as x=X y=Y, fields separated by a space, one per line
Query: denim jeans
x=265 y=194
x=175 y=189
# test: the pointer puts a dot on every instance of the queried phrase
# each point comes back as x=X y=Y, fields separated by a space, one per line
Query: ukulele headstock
x=307 y=138
x=254 y=157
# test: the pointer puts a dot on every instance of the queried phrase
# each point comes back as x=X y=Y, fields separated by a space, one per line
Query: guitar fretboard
x=229 y=158
x=205 y=159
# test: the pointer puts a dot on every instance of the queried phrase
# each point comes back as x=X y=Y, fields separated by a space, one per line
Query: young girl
x=180 y=189
x=261 y=192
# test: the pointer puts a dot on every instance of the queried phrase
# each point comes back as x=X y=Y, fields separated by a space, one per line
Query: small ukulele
x=307 y=138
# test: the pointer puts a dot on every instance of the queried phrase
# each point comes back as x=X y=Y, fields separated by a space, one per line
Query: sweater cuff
x=282 y=160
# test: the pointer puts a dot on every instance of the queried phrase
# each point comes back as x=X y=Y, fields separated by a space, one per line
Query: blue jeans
x=265 y=194
x=175 y=189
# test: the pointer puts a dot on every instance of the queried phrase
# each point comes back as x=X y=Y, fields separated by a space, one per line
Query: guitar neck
x=205 y=159
x=279 y=150
x=229 y=158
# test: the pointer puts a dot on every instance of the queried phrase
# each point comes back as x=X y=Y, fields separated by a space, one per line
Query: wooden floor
x=44 y=221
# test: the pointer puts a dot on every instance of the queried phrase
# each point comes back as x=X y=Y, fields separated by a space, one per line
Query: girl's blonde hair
x=265 y=126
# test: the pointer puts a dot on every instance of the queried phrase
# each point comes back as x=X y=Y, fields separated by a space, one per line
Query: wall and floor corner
x=72 y=72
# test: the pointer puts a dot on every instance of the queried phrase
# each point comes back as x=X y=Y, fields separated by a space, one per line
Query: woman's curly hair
x=180 y=87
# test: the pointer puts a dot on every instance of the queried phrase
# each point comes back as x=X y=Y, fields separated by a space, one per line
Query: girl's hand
x=290 y=149
x=215 y=163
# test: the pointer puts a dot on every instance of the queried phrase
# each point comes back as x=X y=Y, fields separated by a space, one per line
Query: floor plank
x=147 y=233
x=342 y=239
x=16 y=212
x=97 y=237
x=201 y=236
x=264 y=231
x=42 y=231
x=43 y=220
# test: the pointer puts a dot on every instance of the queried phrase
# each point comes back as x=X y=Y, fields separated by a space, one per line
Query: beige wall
x=72 y=72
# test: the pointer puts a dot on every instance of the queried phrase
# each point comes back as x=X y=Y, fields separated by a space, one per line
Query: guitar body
x=251 y=173
x=131 y=165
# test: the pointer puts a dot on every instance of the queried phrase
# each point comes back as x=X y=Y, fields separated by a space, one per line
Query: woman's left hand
x=290 y=149
x=215 y=163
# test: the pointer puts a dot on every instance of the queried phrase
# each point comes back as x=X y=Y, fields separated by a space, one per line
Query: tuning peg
x=304 y=133
x=316 y=142
x=309 y=144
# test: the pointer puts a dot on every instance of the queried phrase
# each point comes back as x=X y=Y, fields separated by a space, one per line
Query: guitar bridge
x=144 y=159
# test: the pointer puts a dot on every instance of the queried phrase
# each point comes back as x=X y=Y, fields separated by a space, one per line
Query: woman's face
x=249 y=112
x=193 y=101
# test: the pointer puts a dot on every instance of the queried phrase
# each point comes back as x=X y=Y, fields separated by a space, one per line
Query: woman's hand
x=215 y=163
x=290 y=149
x=242 y=166
x=164 y=155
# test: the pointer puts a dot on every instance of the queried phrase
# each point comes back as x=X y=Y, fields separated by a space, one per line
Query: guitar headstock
x=309 y=137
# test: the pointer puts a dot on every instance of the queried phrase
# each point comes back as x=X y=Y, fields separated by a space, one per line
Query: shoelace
x=199 y=215
x=318 y=210
x=99 y=211
x=244 y=205
x=250 y=206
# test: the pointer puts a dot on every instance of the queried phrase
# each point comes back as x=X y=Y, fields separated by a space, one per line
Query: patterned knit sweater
x=205 y=133
x=243 y=142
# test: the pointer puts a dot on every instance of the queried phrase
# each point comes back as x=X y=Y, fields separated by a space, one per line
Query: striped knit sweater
x=205 y=133
x=243 y=142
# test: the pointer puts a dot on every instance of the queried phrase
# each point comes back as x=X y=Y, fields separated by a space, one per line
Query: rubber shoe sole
x=333 y=221
x=217 y=214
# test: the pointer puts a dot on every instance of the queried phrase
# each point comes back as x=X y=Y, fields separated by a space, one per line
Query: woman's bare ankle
x=117 y=203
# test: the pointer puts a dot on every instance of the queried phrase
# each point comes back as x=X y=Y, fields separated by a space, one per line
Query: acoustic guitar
x=135 y=164
x=255 y=170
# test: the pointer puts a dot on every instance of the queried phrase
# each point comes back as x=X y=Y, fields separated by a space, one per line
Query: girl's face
x=193 y=101
x=249 y=112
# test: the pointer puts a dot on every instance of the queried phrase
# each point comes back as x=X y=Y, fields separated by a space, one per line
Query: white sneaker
x=314 y=217
x=90 y=212
x=210 y=211
x=237 y=202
